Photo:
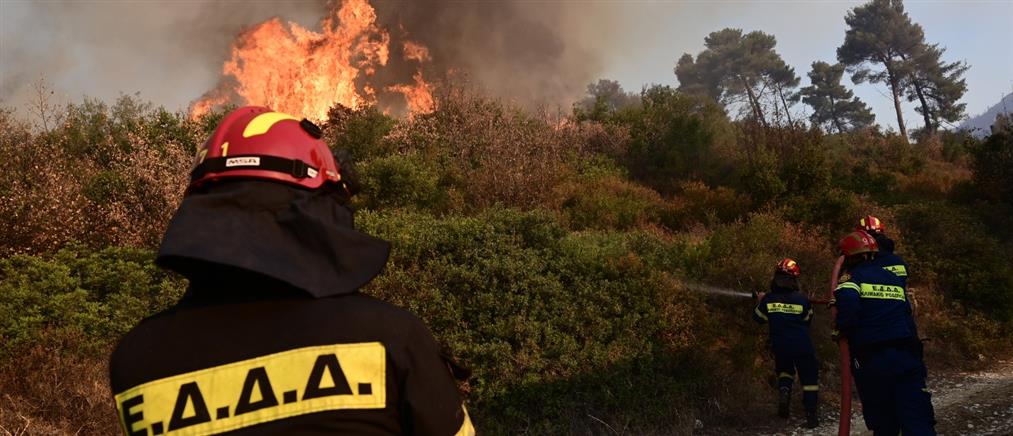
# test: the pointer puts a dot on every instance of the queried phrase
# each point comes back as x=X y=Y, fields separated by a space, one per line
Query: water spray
x=715 y=290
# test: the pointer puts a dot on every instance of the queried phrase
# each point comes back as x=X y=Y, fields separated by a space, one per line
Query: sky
x=171 y=51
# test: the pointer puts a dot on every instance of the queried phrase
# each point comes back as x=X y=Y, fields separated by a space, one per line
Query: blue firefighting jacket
x=789 y=315
x=872 y=305
x=889 y=261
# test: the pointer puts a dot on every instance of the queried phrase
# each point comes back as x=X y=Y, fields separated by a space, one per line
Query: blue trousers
x=808 y=376
x=891 y=385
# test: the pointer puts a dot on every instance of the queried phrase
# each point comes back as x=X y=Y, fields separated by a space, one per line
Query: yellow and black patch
x=882 y=292
x=258 y=390
x=793 y=309
x=898 y=270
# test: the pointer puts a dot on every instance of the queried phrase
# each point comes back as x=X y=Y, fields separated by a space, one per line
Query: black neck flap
x=296 y=236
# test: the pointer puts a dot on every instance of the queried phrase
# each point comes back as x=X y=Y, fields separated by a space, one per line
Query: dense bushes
x=533 y=307
x=557 y=258
x=106 y=176
x=993 y=167
x=95 y=296
x=969 y=263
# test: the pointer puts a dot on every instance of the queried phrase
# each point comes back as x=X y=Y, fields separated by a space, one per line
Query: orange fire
x=299 y=71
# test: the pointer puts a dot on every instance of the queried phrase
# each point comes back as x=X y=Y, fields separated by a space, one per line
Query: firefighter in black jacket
x=272 y=336
x=789 y=314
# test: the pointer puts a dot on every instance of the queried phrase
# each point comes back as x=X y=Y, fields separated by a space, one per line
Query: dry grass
x=45 y=392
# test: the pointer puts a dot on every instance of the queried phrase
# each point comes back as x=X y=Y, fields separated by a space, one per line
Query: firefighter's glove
x=832 y=302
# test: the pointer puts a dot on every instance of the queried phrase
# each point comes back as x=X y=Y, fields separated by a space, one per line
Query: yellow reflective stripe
x=881 y=292
x=810 y=388
x=786 y=375
x=467 y=429
x=260 y=124
x=898 y=270
x=258 y=390
x=848 y=285
x=793 y=309
x=760 y=314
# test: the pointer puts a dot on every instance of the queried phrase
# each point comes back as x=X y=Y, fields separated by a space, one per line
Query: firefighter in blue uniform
x=789 y=315
x=874 y=314
x=885 y=256
x=272 y=335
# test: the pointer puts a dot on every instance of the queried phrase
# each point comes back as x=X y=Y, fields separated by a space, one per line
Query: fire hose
x=844 y=427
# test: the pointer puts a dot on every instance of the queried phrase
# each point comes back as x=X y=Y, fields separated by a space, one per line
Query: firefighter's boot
x=812 y=419
x=783 y=401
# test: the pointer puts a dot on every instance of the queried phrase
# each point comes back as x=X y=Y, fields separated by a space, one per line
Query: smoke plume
x=532 y=53
x=172 y=53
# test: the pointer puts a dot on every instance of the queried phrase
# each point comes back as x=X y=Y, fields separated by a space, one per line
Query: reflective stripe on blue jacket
x=872 y=306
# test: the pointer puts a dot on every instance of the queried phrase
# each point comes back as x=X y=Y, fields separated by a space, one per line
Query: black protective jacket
x=264 y=342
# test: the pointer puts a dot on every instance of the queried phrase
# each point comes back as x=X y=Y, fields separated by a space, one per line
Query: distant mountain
x=980 y=125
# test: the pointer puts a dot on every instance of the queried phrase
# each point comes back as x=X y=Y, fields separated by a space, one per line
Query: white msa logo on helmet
x=242 y=162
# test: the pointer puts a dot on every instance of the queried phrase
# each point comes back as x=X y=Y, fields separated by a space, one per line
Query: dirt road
x=966 y=403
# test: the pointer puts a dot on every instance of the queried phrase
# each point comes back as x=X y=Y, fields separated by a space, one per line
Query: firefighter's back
x=789 y=316
x=348 y=364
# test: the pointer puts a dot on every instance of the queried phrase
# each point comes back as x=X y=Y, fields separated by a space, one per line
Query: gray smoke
x=529 y=52
x=172 y=52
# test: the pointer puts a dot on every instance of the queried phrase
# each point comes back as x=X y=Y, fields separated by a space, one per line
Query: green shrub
x=966 y=334
x=970 y=264
x=95 y=296
x=494 y=154
x=113 y=175
x=552 y=322
x=611 y=203
x=761 y=178
x=697 y=204
x=742 y=255
x=361 y=131
x=401 y=181
x=677 y=137
x=837 y=208
x=993 y=167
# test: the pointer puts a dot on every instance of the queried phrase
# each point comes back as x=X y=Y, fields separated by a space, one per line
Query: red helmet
x=870 y=224
x=857 y=242
x=790 y=267
x=258 y=143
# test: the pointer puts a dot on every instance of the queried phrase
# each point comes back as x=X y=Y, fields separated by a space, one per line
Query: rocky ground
x=966 y=403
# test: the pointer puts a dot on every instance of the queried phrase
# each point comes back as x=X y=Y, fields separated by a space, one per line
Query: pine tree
x=880 y=32
x=937 y=86
x=834 y=106
x=739 y=68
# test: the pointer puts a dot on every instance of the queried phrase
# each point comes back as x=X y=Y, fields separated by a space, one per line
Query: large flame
x=296 y=70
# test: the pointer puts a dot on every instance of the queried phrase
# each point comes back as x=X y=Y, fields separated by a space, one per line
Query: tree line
x=745 y=73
